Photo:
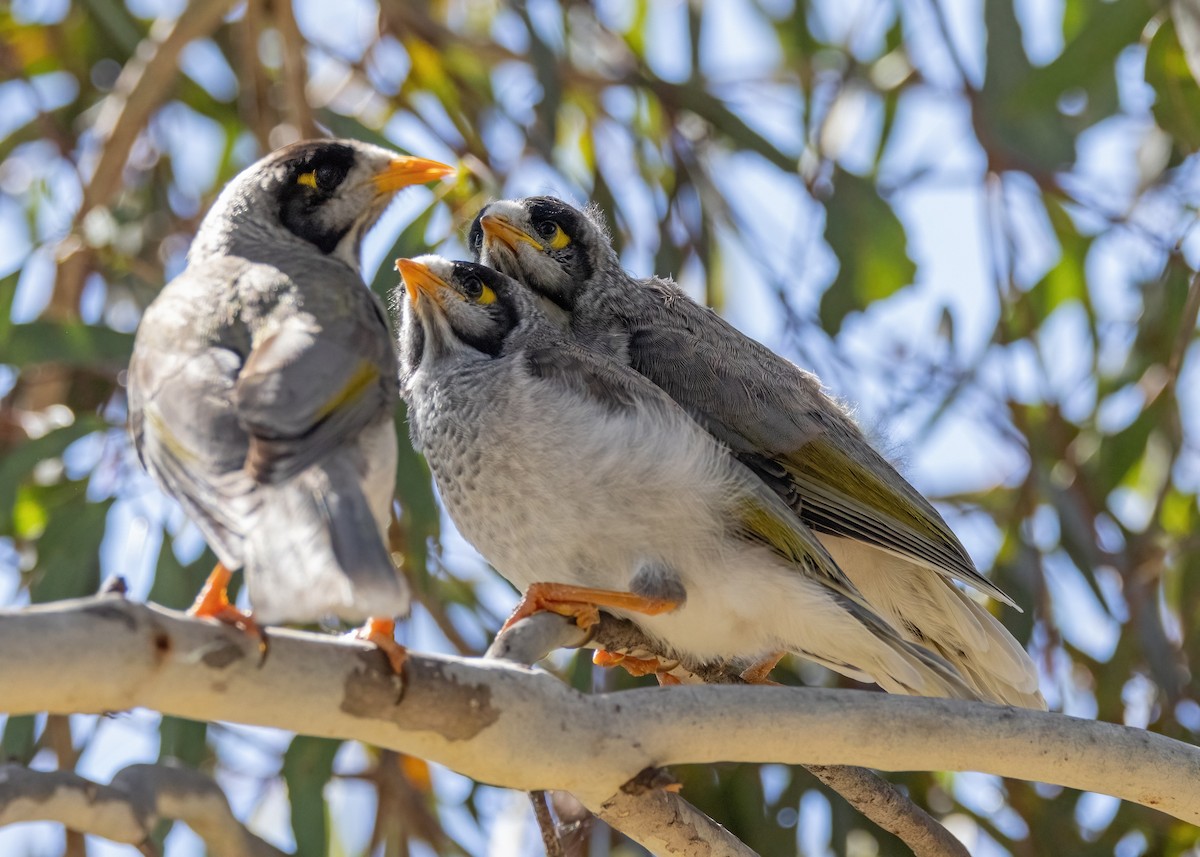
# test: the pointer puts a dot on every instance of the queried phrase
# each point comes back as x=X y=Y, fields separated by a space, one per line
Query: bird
x=779 y=421
x=262 y=387
x=591 y=490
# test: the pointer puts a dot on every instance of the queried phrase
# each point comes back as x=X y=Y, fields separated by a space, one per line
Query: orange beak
x=403 y=171
x=497 y=227
x=418 y=280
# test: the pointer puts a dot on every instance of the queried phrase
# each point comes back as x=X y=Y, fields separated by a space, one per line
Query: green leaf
x=1016 y=134
x=1087 y=60
x=869 y=242
x=30 y=515
x=18 y=463
x=8 y=291
x=1067 y=280
x=1177 y=97
x=115 y=18
x=68 y=553
x=1186 y=15
x=1119 y=452
x=183 y=740
x=68 y=342
x=19 y=741
x=307 y=767
x=418 y=509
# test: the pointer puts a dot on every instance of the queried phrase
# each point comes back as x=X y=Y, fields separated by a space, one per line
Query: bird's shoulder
x=595 y=377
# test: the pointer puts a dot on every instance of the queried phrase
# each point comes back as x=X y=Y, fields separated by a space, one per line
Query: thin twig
x=545 y=821
x=883 y=803
x=295 y=70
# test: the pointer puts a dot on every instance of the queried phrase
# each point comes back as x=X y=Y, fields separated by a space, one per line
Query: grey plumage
x=779 y=422
x=561 y=465
x=262 y=384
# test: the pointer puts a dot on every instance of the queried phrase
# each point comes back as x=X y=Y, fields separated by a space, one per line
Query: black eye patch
x=314 y=175
x=549 y=209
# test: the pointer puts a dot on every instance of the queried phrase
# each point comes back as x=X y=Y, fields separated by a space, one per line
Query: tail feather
x=927 y=610
x=900 y=666
x=317 y=550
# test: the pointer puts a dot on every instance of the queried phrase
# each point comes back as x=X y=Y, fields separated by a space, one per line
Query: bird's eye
x=476 y=292
x=324 y=178
x=328 y=177
x=553 y=234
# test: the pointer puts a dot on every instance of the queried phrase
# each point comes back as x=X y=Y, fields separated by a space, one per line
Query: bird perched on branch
x=262 y=386
x=590 y=489
x=775 y=417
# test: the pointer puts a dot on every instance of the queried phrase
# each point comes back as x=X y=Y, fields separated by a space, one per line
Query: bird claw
x=583 y=603
x=213 y=603
x=381 y=632
x=633 y=666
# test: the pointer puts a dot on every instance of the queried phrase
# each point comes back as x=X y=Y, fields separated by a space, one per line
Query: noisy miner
x=779 y=422
x=589 y=489
x=262 y=388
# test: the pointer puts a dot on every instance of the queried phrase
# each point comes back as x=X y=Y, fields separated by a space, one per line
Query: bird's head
x=457 y=308
x=327 y=193
x=555 y=249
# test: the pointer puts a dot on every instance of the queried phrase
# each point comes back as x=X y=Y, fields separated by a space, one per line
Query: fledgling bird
x=263 y=382
x=590 y=489
x=777 y=419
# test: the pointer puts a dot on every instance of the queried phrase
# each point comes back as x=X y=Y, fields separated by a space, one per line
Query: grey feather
x=562 y=465
x=776 y=419
x=261 y=392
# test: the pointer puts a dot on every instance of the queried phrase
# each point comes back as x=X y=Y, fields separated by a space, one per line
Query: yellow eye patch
x=309 y=178
x=560 y=239
x=487 y=296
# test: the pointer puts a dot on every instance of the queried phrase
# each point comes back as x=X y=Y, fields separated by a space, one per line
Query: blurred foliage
x=819 y=141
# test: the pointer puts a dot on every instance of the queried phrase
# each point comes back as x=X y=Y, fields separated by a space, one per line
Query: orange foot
x=382 y=632
x=213 y=603
x=758 y=671
x=631 y=665
x=583 y=604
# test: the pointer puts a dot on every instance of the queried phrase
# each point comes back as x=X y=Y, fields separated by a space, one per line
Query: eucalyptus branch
x=127 y=809
x=877 y=799
x=524 y=729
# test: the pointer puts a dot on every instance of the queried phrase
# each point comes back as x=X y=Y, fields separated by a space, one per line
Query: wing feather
x=779 y=422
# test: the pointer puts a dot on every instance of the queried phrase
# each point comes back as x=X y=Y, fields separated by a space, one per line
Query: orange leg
x=213 y=603
x=382 y=632
x=667 y=679
x=757 y=672
x=631 y=665
x=583 y=603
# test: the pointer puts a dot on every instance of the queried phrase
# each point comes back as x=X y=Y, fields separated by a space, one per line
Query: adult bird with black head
x=262 y=387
